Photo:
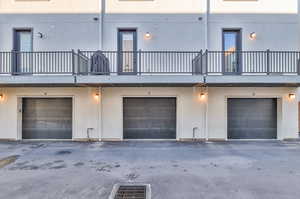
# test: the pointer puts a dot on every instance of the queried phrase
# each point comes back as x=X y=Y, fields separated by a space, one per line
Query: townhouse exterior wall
x=50 y=6
x=174 y=26
x=85 y=109
x=60 y=31
x=197 y=118
x=287 y=124
x=190 y=109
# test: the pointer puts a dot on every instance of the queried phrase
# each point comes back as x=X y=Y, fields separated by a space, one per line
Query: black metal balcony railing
x=150 y=62
x=18 y=63
x=267 y=62
x=140 y=62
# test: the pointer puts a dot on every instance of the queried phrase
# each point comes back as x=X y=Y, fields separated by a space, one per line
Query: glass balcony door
x=127 y=52
x=23 y=45
x=232 y=49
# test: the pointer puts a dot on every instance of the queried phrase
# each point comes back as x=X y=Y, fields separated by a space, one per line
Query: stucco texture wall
x=50 y=6
x=287 y=110
x=168 y=31
x=254 y=6
x=190 y=109
x=85 y=109
x=155 y=6
x=60 y=31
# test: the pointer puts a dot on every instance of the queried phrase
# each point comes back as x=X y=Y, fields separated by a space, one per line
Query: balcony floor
x=150 y=80
x=36 y=80
x=252 y=80
x=178 y=80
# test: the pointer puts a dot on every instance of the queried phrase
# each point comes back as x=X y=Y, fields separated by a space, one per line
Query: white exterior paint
x=61 y=31
x=190 y=110
x=169 y=31
x=287 y=121
x=85 y=109
x=174 y=25
x=154 y=6
x=50 y=6
x=69 y=24
x=105 y=115
x=254 y=6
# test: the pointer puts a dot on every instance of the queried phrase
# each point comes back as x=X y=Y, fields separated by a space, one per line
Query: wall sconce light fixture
x=202 y=95
x=1 y=97
x=148 y=36
x=97 y=96
x=40 y=35
x=292 y=96
x=253 y=36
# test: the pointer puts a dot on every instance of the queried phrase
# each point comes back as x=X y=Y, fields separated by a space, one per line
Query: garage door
x=252 y=118
x=149 y=118
x=47 y=118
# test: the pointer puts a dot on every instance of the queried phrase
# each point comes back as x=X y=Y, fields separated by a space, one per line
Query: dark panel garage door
x=252 y=118
x=47 y=118
x=149 y=118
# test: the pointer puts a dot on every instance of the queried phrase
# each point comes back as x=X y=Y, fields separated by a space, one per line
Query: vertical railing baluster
x=140 y=62
x=298 y=63
x=78 y=62
x=13 y=62
x=73 y=62
x=206 y=61
x=268 y=61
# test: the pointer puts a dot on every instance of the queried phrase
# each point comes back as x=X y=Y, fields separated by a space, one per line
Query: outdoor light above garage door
x=97 y=96
x=202 y=96
x=292 y=96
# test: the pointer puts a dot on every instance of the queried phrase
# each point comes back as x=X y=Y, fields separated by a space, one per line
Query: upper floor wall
x=173 y=24
x=151 y=6
x=49 y=6
x=254 y=6
x=155 y=6
x=199 y=6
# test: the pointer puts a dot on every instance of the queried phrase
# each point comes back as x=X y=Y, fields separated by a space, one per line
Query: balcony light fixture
x=253 y=36
x=292 y=96
x=40 y=35
x=148 y=36
x=1 y=97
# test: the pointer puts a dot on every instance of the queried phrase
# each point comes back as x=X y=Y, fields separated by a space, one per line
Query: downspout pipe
x=207 y=15
x=101 y=21
x=205 y=81
x=100 y=115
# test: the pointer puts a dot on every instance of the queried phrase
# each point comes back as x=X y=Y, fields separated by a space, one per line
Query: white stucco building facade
x=116 y=70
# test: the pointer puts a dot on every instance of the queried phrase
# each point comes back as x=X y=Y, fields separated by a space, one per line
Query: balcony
x=91 y=67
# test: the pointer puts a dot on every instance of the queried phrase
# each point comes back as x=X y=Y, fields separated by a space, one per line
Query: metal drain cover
x=132 y=191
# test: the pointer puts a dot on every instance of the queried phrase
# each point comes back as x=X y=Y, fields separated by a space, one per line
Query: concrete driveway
x=233 y=170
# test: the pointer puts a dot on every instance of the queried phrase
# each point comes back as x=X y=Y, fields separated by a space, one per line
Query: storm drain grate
x=131 y=192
